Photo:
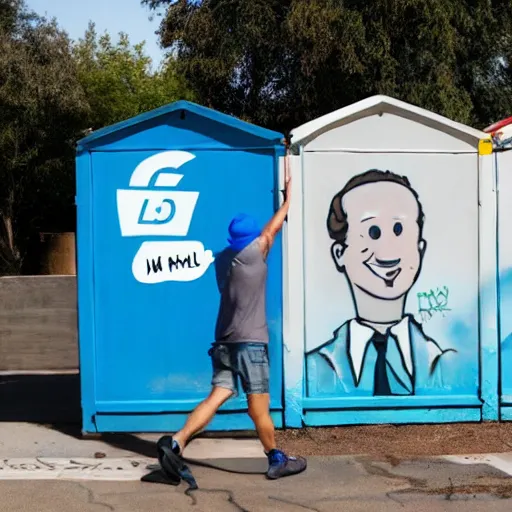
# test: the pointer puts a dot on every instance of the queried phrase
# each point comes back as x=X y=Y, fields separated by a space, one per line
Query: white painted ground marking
x=124 y=468
x=132 y=468
x=501 y=461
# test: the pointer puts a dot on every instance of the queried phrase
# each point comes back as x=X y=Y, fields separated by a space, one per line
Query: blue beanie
x=243 y=230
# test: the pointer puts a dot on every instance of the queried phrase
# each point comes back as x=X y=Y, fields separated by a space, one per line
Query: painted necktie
x=381 y=381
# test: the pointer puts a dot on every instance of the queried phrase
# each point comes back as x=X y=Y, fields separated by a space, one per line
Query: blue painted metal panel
x=156 y=292
x=173 y=422
x=182 y=125
x=502 y=162
x=506 y=412
x=505 y=376
x=489 y=288
x=383 y=402
x=161 y=406
x=382 y=417
x=85 y=285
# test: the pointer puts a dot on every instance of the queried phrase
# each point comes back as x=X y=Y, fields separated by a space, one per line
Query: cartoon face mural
x=377 y=232
x=376 y=222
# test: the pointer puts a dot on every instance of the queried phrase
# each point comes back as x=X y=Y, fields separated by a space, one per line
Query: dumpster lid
x=501 y=133
x=504 y=123
x=304 y=134
x=275 y=138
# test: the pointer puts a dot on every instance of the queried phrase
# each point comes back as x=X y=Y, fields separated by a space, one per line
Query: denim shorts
x=247 y=362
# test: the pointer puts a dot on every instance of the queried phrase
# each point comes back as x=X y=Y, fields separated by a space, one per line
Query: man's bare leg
x=280 y=464
x=260 y=415
x=202 y=415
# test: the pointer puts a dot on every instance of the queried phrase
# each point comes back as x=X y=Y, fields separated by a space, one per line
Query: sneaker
x=280 y=464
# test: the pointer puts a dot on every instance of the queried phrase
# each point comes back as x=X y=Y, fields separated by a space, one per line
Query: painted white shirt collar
x=361 y=335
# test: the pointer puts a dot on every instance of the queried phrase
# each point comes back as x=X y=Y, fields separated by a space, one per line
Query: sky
x=113 y=16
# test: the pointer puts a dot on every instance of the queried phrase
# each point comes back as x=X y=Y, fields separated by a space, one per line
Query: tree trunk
x=58 y=254
x=11 y=259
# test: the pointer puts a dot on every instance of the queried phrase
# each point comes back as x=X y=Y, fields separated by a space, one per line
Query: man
x=241 y=339
x=376 y=222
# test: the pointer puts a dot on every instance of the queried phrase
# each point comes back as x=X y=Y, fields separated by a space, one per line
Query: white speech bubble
x=158 y=262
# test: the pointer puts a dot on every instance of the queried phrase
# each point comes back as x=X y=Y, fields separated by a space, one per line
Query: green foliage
x=52 y=92
x=43 y=107
x=277 y=63
x=118 y=79
x=280 y=63
x=12 y=15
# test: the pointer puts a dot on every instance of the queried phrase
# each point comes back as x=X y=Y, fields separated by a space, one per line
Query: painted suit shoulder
x=339 y=337
x=424 y=344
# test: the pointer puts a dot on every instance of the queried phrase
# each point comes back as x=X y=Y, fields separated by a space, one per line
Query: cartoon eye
x=398 y=228
x=374 y=232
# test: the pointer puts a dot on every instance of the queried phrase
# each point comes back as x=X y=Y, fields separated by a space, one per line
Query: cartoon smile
x=387 y=270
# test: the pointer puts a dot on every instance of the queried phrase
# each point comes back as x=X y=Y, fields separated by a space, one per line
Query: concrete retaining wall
x=38 y=323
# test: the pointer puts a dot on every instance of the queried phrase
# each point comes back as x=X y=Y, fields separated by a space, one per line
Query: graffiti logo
x=432 y=302
x=152 y=207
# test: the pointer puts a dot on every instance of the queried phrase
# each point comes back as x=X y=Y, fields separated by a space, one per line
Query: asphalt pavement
x=51 y=470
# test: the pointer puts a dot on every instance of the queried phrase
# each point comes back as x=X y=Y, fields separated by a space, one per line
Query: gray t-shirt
x=242 y=315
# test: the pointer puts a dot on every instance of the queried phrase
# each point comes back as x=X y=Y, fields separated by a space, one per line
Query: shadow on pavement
x=54 y=400
x=147 y=448
x=40 y=398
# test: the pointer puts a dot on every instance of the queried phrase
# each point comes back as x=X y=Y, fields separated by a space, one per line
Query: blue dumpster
x=155 y=195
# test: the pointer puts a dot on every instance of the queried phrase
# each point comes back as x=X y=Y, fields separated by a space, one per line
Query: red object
x=496 y=126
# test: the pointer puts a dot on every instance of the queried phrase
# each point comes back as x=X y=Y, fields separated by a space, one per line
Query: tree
x=118 y=80
x=43 y=107
x=280 y=63
x=51 y=92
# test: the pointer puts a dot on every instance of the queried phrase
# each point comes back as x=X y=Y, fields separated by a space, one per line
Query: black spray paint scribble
x=73 y=466
x=189 y=262
x=432 y=302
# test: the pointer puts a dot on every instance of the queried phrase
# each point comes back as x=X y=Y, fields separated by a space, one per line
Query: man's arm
x=276 y=222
